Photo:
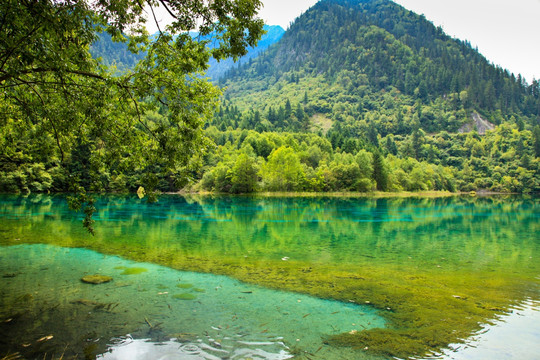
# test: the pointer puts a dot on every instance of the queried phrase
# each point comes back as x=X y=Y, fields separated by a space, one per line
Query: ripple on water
x=515 y=335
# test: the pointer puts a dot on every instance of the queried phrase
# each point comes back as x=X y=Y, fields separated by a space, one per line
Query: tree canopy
x=53 y=93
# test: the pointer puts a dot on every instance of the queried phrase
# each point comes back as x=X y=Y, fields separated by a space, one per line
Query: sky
x=506 y=32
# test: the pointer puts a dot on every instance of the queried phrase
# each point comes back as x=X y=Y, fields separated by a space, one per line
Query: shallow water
x=434 y=270
x=220 y=318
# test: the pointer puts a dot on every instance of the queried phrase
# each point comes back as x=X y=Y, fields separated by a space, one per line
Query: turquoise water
x=43 y=295
x=268 y=277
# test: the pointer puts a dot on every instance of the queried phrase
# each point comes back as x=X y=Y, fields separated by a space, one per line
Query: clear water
x=222 y=317
x=296 y=271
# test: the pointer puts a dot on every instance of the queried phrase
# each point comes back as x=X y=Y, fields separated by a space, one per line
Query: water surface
x=431 y=271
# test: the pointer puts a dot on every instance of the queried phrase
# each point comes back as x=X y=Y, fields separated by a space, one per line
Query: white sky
x=506 y=32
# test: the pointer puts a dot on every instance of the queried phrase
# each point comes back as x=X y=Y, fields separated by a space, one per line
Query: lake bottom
x=149 y=312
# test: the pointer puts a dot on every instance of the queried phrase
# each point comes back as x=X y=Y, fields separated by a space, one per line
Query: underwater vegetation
x=185 y=296
x=133 y=271
x=184 y=286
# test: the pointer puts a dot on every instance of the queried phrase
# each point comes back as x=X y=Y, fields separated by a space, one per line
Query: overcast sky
x=506 y=32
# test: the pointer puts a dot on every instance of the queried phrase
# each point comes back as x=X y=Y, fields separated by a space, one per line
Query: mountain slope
x=354 y=61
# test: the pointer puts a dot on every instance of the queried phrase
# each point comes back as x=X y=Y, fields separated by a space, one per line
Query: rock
x=96 y=279
x=477 y=124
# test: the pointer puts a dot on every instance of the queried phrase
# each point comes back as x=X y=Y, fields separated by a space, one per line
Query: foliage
x=99 y=120
x=307 y=162
x=361 y=106
x=283 y=170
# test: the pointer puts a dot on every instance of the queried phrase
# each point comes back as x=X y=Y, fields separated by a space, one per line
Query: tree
x=49 y=80
x=365 y=163
x=244 y=175
x=536 y=139
x=283 y=171
x=380 y=174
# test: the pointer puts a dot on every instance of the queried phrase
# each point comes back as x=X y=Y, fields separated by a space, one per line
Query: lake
x=211 y=277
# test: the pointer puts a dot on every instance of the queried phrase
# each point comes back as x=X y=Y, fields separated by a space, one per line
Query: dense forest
x=356 y=96
x=370 y=76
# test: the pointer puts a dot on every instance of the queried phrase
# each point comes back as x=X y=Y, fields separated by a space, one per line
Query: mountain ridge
x=118 y=54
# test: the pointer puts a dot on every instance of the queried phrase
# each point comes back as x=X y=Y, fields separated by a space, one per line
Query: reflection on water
x=435 y=269
x=149 y=350
x=513 y=336
x=321 y=230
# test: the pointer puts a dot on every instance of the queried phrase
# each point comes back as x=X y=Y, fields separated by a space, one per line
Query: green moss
x=423 y=311
x=133 y=271
x=184 y=286
x=185 y=296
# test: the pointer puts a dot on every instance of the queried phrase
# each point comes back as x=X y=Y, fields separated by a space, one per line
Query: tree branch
x=155 y=19
x=48 y=117
x=162 y=2
x=10 y=51
x=8 y=76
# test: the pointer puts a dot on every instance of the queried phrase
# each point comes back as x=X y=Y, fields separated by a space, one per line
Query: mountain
x=218 y=69
x=114 y=53
x=359 y=85
x=117 y=53
x=356 y=63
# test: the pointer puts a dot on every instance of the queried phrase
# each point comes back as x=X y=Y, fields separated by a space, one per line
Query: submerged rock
x=96 y=279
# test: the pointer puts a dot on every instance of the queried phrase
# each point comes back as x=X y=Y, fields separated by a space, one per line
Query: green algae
x=133 y=271
x=184 y=286
x=185 y=296
x=436 y=270
x=199 y=290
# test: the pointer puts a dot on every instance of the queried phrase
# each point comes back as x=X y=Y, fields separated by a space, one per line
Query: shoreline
x=333 y=194
x=376 y=194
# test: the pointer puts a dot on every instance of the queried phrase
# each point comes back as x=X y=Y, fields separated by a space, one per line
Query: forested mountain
x=372 y=75
x=118 y=54
x=113 y=53
x=356 y=96
x=346 y=55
